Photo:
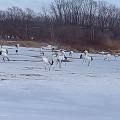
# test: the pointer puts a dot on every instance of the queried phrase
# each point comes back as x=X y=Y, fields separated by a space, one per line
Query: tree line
x=67 y=21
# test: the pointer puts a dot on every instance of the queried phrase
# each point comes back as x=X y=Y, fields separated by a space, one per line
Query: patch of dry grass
x=108 y=45
x=23 y=43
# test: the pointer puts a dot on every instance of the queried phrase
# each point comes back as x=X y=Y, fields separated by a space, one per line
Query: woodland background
x=74 y=23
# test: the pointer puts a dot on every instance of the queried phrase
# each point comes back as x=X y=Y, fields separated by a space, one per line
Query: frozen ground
x=74 y=92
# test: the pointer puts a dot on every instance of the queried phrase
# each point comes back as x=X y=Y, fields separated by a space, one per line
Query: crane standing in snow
x=86 y=58
x=4 y=55
x=47 y=61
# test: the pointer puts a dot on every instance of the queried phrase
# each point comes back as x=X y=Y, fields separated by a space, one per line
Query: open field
x=74 y=92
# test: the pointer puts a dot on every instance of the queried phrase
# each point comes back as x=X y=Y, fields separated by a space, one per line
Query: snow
x=74 y=92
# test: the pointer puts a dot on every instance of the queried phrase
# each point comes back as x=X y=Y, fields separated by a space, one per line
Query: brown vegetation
x=25 y=43
x=108 y=45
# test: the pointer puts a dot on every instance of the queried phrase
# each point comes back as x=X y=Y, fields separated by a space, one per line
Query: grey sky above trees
x=36 y=5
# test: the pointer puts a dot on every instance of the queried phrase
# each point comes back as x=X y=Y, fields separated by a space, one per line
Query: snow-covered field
x=74 y=92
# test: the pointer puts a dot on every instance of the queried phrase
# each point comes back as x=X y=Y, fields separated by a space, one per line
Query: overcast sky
x=115 y=2
x=36 y=4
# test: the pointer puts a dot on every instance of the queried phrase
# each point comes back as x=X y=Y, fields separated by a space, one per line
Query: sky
x=36 y=5
x=115 y=2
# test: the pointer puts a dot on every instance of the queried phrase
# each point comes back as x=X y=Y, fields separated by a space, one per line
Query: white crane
x=70 y=53
x=17 y=48
x=4 y=55
x=86 y=58
x=48 y=61
x=4 y=49
x=41 y=51
x=108 y=57
x=60 y=59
